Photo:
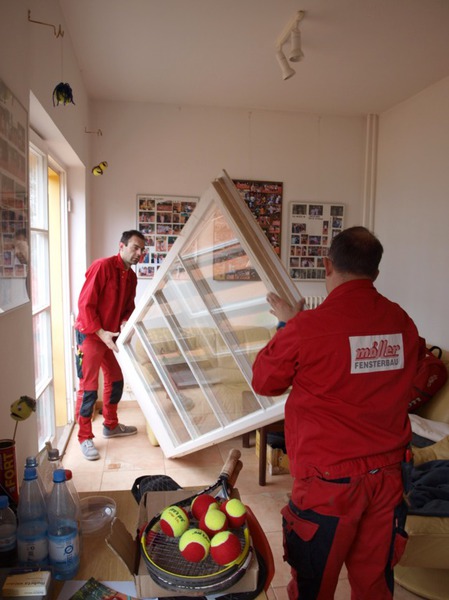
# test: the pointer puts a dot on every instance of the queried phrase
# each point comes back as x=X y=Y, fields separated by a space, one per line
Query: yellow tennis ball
x=235 y=510
x=174 y=521
x=213 y=521
x=194 y=545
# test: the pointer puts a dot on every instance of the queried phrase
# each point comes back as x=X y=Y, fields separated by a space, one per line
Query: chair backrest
x=437 y=409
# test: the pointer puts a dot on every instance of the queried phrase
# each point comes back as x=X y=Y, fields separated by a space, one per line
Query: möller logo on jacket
x=374 y=353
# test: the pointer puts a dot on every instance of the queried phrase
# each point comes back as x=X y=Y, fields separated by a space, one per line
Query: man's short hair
x=127 y=235
x=356 y=251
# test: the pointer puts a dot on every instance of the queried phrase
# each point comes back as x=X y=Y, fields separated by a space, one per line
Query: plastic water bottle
x=53 y=463
x=63 y=529
x=31 y=461
x=74 y=493
x=8 y=534
x=32 y=543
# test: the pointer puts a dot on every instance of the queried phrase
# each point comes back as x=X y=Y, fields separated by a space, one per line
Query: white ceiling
x=361 y=56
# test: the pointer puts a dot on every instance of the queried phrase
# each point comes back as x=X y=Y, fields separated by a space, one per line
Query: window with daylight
x=188 y=348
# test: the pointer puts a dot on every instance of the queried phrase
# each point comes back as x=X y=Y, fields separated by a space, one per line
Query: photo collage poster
x=312 y=229
x=160 y=219
x=264 y=199
x=14 y=242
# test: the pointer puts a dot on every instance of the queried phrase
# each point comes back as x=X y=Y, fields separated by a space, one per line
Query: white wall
x=30 y=62
x=160 y=149
x=412 y=209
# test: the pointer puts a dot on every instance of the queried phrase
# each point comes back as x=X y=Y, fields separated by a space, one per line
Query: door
x=188 y=348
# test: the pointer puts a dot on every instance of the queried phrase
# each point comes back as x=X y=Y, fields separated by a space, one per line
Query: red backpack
x=432 y=374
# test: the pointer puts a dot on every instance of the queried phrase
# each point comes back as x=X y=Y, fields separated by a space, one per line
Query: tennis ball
x=235 y=510
x=174 y=521
x=194 y=545
x=225 y=547
x=213 y=521
x=201 y=504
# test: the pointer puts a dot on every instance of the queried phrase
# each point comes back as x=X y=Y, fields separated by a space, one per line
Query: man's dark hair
x=356 y=251
x=127 y=235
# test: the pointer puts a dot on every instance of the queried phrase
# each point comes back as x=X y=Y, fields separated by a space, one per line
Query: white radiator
x=314 y=301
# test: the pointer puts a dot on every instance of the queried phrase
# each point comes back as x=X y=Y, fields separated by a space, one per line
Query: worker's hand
x=281 y=309
x=107 y=337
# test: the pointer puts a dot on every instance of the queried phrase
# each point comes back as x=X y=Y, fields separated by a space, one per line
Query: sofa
x=424 y=567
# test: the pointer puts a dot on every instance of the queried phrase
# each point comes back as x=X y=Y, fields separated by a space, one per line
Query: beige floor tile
x=280 y=593
x=87 y=481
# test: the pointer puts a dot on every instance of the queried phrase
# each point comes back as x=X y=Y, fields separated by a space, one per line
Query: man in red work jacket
x=350 y=364
x=105 y=303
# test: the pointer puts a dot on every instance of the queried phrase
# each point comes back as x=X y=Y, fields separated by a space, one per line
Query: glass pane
x=40 y=277
x=38 y=200
x=45 y=416
x=187 y=366
x=42 y=349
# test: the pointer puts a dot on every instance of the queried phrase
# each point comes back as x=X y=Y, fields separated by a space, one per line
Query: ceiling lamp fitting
x=292 y=33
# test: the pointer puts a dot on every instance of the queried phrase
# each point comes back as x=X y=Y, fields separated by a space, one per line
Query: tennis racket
x=170 y=570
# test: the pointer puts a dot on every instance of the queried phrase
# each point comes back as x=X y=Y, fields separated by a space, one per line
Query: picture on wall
x=264 y=199
x=160 y=219
x=14 y=236
x=312 y=226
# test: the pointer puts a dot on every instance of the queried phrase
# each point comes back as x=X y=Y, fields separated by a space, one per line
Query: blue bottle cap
x=59 y=475
x=4 y=502
x=30 y=473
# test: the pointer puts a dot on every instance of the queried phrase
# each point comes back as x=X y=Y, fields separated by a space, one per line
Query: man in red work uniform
x=350 y=364
x=105 y=303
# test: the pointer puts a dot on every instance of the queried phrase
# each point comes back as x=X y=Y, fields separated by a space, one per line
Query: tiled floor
x=124 y=459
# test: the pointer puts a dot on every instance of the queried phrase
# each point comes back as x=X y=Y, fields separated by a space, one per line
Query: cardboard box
x=127 y=548
x=277 y=460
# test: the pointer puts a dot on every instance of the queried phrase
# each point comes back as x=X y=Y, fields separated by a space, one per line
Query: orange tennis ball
x=213 y=521
x=201 y=504
x=235 y=510
x=225 y=547
x=174 y=521
x=194 y=545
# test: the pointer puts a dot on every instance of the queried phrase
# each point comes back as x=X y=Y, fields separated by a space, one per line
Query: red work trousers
x=357 y=521
x=93 y=355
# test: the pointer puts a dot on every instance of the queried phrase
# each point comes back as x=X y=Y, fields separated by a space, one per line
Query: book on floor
x=95 y=590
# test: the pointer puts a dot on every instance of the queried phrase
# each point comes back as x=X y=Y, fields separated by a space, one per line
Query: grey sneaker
x=119 y=431
x=89 y=451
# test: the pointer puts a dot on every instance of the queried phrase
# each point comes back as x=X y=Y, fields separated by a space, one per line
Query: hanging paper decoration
x=100 y=168
x=62 y=93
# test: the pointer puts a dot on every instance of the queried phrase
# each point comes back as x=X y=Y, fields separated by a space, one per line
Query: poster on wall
x=264 y=199
x=14 y=232
x=160 y=219
x=312 y=226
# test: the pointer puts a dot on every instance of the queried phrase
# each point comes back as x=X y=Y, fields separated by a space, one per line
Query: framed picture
x=312 y=226
x=160 y=219
x=14 y=211
x=264 y=199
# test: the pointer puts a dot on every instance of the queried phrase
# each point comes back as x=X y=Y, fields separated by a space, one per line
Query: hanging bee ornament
x=100 y=168
x=62 y=93
x=22 y=408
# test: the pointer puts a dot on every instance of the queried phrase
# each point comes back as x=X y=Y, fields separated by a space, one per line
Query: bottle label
x=8 y=541
x=64 y=549
x=32 y=551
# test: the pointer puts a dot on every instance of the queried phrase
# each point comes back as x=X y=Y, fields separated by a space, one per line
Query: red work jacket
x=350 y=364
x=107 y=296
